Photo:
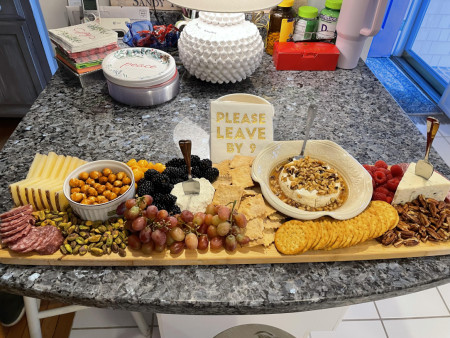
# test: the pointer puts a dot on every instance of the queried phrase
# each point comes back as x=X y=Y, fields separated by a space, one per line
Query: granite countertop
x=355 y=111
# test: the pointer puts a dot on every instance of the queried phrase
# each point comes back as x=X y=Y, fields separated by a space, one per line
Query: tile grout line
x=103 y=328
x=381 y=320
x=445 y=303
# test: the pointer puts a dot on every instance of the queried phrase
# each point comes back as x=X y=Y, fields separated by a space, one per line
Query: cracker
x=291 y=238
x=241 y=161
x=221 y=180
x=224 y=168
x=249 y=192
x=277 y=217
x=254 y=229
x=269 y=209
x=228 y=193
x=268 y=237
x=242 y=177
x=256 y=242
x=252 y=207
x=268 y=224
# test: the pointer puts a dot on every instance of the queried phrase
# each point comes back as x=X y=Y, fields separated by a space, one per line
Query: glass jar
x=328 y=20
x=281 y=24
x=306 y=24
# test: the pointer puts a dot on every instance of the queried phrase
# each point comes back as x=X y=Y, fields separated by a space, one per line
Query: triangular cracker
x=268 y=224
x=254 y=229
x=253 y=207
x=268 y=237
x=242 y=177
x=241 y=161
x=227 y=193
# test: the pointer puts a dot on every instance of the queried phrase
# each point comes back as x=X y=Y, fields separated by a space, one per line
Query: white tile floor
x=423 y=314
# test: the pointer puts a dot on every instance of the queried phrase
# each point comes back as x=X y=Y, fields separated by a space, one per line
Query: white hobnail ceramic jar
x=220 y=47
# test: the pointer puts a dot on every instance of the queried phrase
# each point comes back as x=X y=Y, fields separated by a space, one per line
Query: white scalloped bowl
x=358 y=180
x=99 y=212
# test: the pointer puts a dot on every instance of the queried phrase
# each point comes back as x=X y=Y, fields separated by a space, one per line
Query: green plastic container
x=328 y=20
x=306 y=24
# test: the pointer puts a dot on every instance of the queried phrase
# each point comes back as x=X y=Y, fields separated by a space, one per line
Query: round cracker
x=292 y=238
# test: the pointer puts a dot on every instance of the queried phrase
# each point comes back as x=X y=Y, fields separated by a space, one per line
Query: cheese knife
x=423 y=167
x=190 y=187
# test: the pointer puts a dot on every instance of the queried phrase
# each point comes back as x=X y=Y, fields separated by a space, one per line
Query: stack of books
x=83 y=47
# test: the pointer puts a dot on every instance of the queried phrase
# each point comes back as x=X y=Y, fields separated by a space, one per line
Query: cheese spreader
x=423 y=167
x=190 y=187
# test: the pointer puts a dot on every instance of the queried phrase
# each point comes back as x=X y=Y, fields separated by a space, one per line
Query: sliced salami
x=5 y=234
x=9 y=225
x=21 y=244
x=18 y=235
x=25 y=208
x=35 y=237
x=16 y=216
x=54 y=244
x=49 y=232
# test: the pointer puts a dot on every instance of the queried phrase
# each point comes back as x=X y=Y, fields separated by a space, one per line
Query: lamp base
x=221 y=47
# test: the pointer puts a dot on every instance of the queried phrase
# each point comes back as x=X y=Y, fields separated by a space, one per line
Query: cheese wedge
x=411 y=186
x=43 y=186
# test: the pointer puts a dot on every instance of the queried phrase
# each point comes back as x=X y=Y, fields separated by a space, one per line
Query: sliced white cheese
x=411 y=186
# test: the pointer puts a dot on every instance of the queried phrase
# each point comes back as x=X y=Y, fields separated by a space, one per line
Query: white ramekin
x=99 y=212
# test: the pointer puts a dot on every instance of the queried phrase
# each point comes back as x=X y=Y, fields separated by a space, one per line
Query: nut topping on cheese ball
x=309 y=184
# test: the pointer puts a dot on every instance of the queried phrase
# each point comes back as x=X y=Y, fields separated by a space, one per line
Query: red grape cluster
x=154 y=230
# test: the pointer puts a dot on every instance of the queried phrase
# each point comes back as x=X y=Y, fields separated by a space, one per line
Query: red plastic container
x=305 y=56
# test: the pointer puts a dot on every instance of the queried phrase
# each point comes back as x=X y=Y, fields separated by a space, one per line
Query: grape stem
x=232 y=209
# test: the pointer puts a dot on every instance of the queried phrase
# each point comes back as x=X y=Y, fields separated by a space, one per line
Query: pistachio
x=122 y=252
x=109 y=240
x=97 y=251
x=102 y=228
x=84 y=228
x=73 y=244
x=115 y=233
x=80 y=240
x=76 y=249
x=63 y=250
x=108 y=250
x=118 y=240
x=123 y=245
x=98 y=245
x=73 y=236
x=83 y=250
x=68 y=248
x=71 y=229
x=94 y=239
x=115 y=248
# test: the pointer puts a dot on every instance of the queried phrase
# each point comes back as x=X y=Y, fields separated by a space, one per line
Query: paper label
x=239 y=128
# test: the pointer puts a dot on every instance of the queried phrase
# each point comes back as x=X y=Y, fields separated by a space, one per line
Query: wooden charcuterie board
x=253 y=255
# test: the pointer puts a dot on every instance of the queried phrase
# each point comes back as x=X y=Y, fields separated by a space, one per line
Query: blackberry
x=145 y=188
x=205 y=164
x=159 y=206
x=211 y=174
x=195 y=160
x=165 y=187
x=176 y=180
x=150 y=174
x=168 y=201
x=171 y=172
x=175 y=210
x=196 y=172
x=175 y=162
x=159 y=180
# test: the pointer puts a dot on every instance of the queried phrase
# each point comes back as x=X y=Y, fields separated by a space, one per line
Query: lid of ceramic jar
x=138 y=67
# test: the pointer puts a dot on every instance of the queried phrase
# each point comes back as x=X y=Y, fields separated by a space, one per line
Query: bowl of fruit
x=95 y=190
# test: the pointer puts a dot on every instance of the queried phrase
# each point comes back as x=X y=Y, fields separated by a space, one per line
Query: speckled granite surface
x=355 y=112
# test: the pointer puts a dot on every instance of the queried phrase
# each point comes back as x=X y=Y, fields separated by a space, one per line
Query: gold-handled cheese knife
x=423 y=167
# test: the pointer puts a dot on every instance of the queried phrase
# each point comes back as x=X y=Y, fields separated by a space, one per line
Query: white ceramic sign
x=241 y=124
